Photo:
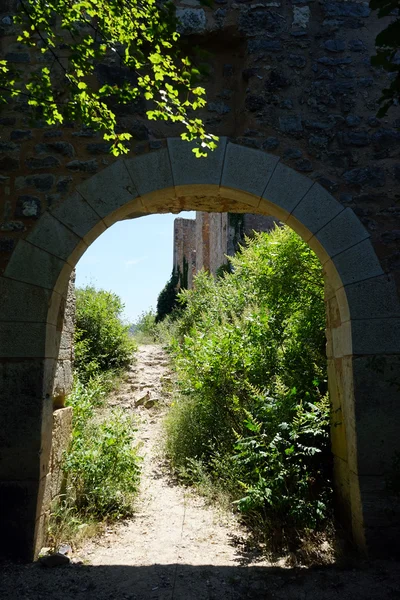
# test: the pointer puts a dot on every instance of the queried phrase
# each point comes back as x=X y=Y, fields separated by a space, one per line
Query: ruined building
x=204 y=242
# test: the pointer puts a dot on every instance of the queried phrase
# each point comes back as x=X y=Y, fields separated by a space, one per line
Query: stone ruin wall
x=62 y=415
x=204 y=242
x=185 y=248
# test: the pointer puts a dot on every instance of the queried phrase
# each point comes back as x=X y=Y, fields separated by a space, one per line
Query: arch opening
x=361 y=309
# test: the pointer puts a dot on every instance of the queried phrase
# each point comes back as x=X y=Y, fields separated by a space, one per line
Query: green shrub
x=102 y=342
x=249 y=353
x=144 y=329
x=102 y=466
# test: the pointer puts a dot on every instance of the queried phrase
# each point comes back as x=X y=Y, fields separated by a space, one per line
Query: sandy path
x=176 y=547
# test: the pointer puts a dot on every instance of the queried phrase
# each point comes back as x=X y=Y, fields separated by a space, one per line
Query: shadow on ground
x=369 y=581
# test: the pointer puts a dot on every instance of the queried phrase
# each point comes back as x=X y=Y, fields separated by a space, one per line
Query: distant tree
x=388 y=51
x=137 y=38
x=167 y=299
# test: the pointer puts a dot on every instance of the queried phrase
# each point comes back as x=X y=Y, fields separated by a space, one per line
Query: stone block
x=16 y=297
x=189 y=171
x=62 y=432
x=338 y=436
x=191 y=21
x=380 y=507
x=33 y=265
x=63 y=382
x=342 y=490
x=343 y=304
x=286 y=188
x=54 y=237
x=26 y=406
x=357 y=263
x=377 y=412
x=22 y=339
x=85 y=166
x=342 y=232
x=246 y=170
x=376 y=336
x=28 y=206
x=110 y=189
x=48 y=162
x=18 y=518
x=342 y=340
x=373 y=298
x=316 y=209
x=152 y=175
x=76 y=214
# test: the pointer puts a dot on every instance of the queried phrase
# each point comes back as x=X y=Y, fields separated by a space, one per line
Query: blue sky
x=133 y=259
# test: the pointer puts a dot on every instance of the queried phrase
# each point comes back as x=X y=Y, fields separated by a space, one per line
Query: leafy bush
x=102 y=465
x=145 y=329
x=249 y=354
x=102 y=342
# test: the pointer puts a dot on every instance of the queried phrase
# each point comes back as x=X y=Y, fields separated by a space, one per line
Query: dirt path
x=176 y=547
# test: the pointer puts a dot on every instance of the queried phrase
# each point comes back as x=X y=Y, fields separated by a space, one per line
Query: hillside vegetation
x=250 y=416
x=101 y=467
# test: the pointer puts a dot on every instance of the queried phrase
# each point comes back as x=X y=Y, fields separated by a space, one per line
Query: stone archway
x=363 y=328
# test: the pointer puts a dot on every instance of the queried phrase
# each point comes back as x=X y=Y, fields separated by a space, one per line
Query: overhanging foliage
x=71 y=38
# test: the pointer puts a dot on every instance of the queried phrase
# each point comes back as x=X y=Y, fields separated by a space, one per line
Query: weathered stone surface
x=17 y=57
x=12 y=226
x=247 y=169
x=334 y=45
x=28 y=206
x=346 y=9
x=9 y=163
x=296 y=60
x=260 y=21
x=263 y=45
x=343 y=231
x=357 y=263
x=101 y=192
x=291 y=124
x=98 y=148
x=187 y=169
x=43 y=163
x=76 y=214
x=63 y=148
x=373 y=298
x=42 y=183
x=254 y=103
x=63 y=184
x=87 y=166
x=20 y=134
x=286 y=187
x=51 y=235
x=369 y=176
x=33 y=265
x=271 y=143
x=191 y=20
x=151 y=173
x=16 y=295
x=316 y=209
x=354 y=138
x=301 y=16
